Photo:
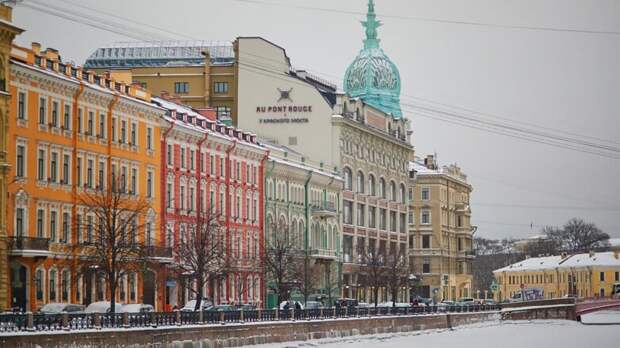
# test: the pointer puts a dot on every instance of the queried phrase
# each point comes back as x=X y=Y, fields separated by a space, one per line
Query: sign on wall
x=278 y=113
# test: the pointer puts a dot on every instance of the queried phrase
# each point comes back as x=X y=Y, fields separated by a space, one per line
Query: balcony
x=28 y=246
x=324 y=209
x=163 y=254
x=324 y=254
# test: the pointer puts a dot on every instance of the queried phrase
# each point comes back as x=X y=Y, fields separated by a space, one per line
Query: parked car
x=488 y=302
x=190 y=305
x=364 y=305
x=466 y=301
x=347 y=302
x=292 y=304
x=138 y=308
x=221 y=308
x=57 y=308
x=246 y=307
x=393 y=304
x=444 y=305
x=103 y=307
x=313 y=305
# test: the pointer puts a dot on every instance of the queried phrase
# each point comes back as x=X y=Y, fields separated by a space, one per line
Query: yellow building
x=581 y=275
x=201 y=74
x=70 y=132
x=7 y=34
x=440 y=232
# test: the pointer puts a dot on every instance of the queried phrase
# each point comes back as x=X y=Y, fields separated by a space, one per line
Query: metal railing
x=157 y=251
x=81 y=321
x=29 y=243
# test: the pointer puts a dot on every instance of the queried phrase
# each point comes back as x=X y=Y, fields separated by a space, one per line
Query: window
x=65 y=169
x=41 y=165
x=21 y=106
x=89 y=173
x=348 y=212
x=101 y=176
x=360 y=182
x=392 y=191
x=182 y=197
x=426 y=266
x=410 y=218
x=132 y=139
x=182 y=152
x=42 y=110
x=212 y=164
x=149 y=138
x=169 y=196
x=348 y=179
x=426 y=217
x=403 y=222
x=66 y=124
x=360 y=214
x=89 y=124
x=79 y=172
x=191 y=159
x=38 y=284
x=372 y=217
x=123 y=131
x=382 y=219
x=181 y=87
x=134 y=178
x=425 y=193
x=102 y=126
x=602 y=276
x=54 y=167
x=54 y=114
x=222 y=111
x=79 y=130
x=19 y=222
x=169 y=154
x=393 y=221
x=65 y=285
x=113 y=129
x=65 y=228
x=372 y=190
x=382 y=187
x=19 y=166
x=149 y=184
x=40 y=231
x=220 y=87
x=426 y=241
x=53 y=221
x=403 y=194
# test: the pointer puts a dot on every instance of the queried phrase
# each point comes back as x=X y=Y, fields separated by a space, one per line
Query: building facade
x=7 y=34
x=440 y=231
x=305 y=199
x=201 y=74
x=211 y=166
x=71 y=132
x=580 y=275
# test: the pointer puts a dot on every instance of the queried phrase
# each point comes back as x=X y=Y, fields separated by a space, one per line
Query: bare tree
x=374 y=271
x=541 y=247
x=110 y=227
x=395 y=275
x=283 y=261
x=201 y=251
x=578 y=236
x=306 y=279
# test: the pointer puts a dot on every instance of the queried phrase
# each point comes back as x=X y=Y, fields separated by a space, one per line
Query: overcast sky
x=558 y=79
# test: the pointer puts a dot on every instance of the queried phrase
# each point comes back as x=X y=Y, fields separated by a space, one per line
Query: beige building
x=580 y=275
x=440 y=231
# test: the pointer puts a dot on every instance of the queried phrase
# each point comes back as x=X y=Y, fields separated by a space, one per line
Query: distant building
x=440 y=231
x=582 y=275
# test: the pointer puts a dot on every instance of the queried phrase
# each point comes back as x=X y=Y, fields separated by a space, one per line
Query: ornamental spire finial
x=371 y=24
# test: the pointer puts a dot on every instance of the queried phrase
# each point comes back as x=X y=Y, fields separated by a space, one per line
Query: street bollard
x=153 y=319
x=201 y=316
x=346 y=311
x=97 y=320
x=321 y=317
x=29 y=321
x=177 y=317
x=125 y=319
x=241 y=316
x=260 y=316
x=334 y=312
x=293 y=314
x=357 y=312
x=222 y=318
x=277 y=313
x=65 y=321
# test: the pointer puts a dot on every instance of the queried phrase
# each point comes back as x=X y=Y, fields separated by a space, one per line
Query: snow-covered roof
x=451 y=171
x=601 y=259
x=614 y=242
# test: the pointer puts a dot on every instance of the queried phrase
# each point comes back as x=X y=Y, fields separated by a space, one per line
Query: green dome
x=372 y=76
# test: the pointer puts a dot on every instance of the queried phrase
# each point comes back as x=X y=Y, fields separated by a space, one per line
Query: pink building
x=206 y=165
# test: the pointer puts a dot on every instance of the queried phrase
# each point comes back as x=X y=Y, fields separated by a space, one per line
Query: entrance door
x=18 y=287
x=148 y=288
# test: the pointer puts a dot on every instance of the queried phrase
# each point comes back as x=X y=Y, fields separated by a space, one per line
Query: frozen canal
x=517 y=334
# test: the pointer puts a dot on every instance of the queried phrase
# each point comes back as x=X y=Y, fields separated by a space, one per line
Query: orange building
x=69 y=132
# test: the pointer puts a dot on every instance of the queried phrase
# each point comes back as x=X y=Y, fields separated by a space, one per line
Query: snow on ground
x=602 y=317
x=510 y=334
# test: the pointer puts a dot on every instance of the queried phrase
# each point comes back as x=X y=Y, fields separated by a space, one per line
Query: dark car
x=347 y=302
x=57 y=308
x=222 y=308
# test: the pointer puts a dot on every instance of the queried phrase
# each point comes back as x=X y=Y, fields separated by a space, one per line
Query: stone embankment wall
x=216 y=336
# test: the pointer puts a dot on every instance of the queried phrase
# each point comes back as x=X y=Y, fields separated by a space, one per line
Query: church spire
x=371 y=24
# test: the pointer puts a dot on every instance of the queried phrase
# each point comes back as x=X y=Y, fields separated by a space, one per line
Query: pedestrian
x=297 y=306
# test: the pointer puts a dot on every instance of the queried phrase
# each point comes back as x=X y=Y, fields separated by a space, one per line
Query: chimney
x=36 y=48
x=51 y=54
x=429 y=162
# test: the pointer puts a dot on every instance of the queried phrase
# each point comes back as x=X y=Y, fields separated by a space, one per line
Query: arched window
x=382 y=190
x=403 y=198
x=392 y=191
x=360 y=182
x=372 y=189
x=348 y=179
